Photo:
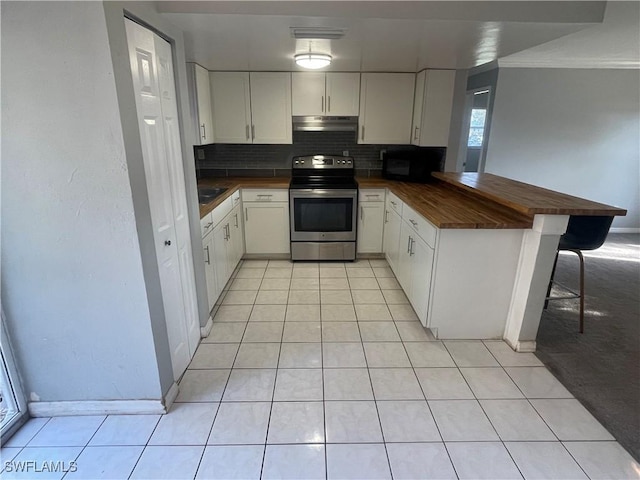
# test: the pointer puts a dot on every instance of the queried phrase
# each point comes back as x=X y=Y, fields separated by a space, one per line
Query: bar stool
x=584 y=232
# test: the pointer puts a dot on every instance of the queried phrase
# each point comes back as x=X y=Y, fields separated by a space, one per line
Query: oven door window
x=323 y=214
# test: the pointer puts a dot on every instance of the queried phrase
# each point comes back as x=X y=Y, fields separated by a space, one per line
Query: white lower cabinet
x=409 y=248
x=391 y=239
x=370 y=220
x=223 y=247
x=266 y=221
x=209 y=270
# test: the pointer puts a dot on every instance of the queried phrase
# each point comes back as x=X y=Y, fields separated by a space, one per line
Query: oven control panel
x=322 y=161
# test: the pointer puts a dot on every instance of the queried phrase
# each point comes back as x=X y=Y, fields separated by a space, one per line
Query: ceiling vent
x=306 y=33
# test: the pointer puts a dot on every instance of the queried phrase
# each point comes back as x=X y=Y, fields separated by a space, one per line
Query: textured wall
x=73 y=289
x=572 y=130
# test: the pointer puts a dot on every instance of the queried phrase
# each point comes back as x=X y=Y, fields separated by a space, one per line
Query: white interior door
x=159 y=134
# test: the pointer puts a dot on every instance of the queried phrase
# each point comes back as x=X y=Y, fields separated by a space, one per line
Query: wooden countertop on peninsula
x=448 y=207
x=523 y=197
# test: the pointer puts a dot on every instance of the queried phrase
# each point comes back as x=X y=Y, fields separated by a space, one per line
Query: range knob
x=302 y=161
x=296 y=162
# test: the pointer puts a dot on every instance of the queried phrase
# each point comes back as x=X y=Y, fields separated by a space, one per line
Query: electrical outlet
x=345 y=153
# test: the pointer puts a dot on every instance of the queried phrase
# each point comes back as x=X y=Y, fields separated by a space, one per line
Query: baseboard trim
x=96 y=407
x=624 y=230
x=204 y=331
x=171 y=396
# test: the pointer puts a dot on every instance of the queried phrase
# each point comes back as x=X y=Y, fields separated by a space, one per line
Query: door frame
x=8 y=364
x=466 y=124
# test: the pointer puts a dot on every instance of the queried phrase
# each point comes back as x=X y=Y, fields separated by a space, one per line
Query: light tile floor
x=322 y=371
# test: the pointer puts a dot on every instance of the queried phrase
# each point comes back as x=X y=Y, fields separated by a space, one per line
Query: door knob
x=167 y=242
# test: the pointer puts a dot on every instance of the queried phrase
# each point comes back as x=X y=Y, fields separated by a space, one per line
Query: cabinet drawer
x=221 y=211
x=371 y=195
x=265 y=195
x=235 y=198
x=394 y=203
x=206 y=224
x=420 y=225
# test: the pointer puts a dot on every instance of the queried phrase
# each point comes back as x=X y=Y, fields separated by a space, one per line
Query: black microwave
x=413 y=165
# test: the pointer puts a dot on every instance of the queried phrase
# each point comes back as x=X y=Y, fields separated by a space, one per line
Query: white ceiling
x=381 y=35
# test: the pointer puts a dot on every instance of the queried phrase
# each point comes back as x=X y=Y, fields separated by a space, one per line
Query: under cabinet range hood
x=325 y=124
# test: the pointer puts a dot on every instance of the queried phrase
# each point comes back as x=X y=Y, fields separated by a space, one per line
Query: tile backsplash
x=223 y=159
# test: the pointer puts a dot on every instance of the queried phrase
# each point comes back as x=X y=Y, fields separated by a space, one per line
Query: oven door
x=323 y=215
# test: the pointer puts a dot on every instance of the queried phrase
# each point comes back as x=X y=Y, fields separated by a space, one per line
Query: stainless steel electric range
x=323 y=202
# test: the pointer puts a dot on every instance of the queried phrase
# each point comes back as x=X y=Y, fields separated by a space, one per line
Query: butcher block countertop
x=235 y=183
x=454 y=200
x=525 y=198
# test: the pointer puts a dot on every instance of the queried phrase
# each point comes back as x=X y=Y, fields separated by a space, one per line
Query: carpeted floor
x=602 y=366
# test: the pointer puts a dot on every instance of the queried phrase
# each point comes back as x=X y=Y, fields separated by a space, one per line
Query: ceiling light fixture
x=312 y=60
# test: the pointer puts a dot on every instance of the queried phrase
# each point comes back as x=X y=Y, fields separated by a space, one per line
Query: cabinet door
x=436 y=113
x=370 y=227
x=213 y=291
x=230 y=102
x=386 y=108
x=307 y=93
x=391 y=245
x=236 y=240
x=421 y=257
x=266 y=227
x=403 y=272
x=343 y=94
x=220 y=254
x=418 y=103
x=203 y=98
x=271 y=107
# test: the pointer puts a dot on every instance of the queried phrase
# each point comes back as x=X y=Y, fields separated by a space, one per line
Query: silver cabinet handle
x=413 y=222
x=246 y=215
x=362 y=132
x=361 y=213
x=236 y=215
x=386 y=216
x=227 y=232
x=371 y=195
x=411 y=252
x=206 y=227
x=322 y=104
x=204 y=131
x=329 y=103
x=393 y=203
x=415 y=133
x=253 y=132
x=208 y=260
x=409 y=244
x=247 y=131
x=268 y=195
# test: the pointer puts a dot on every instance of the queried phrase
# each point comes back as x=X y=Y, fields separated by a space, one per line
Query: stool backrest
x=585 y=232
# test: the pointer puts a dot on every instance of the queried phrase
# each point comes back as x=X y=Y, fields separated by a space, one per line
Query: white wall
x=72 y=279
x=571 y=130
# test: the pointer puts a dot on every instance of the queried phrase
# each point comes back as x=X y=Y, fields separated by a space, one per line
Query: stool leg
x=579 y=253
x=553 y=273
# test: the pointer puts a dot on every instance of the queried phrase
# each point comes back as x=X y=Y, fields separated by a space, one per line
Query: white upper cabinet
x=201 y=102
x=251 y=107
x=231 y=104
x=343 y=94
x=308 y=93
x=432 y=108
x=386 y=108
x=330 y=94
x=271 y=107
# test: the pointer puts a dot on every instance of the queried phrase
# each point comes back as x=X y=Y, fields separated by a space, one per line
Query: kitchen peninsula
x=488 y=245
